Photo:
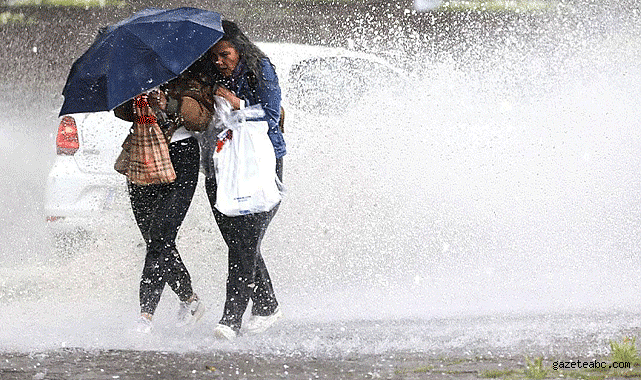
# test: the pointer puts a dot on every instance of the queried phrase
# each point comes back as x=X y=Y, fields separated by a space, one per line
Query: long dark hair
x=247 y=50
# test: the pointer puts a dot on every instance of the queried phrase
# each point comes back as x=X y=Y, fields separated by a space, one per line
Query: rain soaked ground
x=433 y=348
x=484 y=212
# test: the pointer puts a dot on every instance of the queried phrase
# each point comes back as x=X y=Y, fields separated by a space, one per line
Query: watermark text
x=593 y=364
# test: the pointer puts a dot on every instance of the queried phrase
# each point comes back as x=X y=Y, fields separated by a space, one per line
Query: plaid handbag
x=149 y=160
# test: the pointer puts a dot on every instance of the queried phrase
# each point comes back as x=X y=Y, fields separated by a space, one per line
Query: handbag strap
x=166 y=124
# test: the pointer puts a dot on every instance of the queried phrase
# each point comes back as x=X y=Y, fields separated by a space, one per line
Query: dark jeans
x=247 y=275
x=159 y=211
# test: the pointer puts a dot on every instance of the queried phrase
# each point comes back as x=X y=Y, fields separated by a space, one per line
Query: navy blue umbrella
x=139 y=53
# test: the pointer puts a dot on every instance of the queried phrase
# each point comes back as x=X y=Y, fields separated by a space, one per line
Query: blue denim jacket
x=267 y=94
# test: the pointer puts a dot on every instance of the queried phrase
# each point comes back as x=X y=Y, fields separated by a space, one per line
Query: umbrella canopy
x=139 y=53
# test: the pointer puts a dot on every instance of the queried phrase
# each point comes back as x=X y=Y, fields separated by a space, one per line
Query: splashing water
x=501 y=178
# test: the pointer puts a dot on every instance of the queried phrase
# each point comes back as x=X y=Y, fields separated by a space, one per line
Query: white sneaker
x=190 y=312
x=224 y=332
x=144 y=325
x=258 y=324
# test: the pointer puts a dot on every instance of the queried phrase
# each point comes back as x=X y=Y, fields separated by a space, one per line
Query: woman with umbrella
x=146 y=50
x=160 y=209
x=246 y=77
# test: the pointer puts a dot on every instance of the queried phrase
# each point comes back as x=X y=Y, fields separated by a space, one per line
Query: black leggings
x=159 y=211
x=247 y=275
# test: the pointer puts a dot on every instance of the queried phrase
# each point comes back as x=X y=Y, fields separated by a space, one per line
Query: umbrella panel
x=138 y=54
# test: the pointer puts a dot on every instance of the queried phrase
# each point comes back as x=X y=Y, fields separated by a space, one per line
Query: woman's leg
x=263 y=298
x=143 y=203
x=244 y=235
x=173 y=207
x=162 y=217
x=237 y=285
x=247 y=274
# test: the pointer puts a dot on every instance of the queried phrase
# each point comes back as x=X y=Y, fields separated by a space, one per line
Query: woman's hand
x=157 y=99
x=229 y=95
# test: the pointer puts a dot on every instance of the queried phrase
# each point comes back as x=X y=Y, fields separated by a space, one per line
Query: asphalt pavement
x=491 y=346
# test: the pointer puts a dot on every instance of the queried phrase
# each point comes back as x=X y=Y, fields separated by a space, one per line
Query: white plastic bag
x=244 y=164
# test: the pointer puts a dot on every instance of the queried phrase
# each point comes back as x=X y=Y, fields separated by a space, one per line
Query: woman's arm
x=195 y=103
x=269 y=95
x=194 y=115
x=235 y=102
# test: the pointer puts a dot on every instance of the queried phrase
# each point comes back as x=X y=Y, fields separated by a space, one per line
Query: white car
x=83 y=185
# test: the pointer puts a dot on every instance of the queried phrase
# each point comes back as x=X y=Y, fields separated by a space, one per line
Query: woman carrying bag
x=160 y=204
x=245 y=77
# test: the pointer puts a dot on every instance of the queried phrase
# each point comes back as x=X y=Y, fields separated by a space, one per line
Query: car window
x=329 y=84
